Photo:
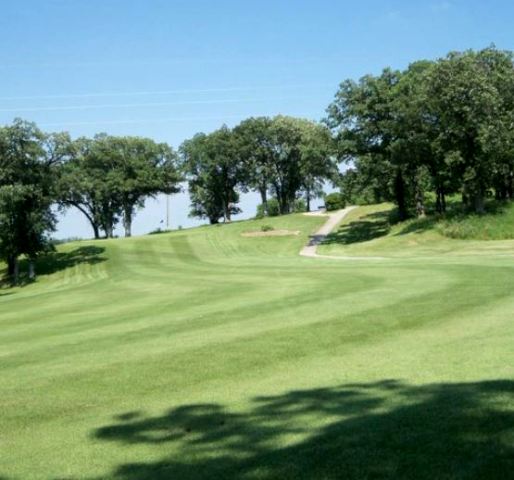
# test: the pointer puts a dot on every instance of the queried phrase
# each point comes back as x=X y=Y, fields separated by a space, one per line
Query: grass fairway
x=203 y=354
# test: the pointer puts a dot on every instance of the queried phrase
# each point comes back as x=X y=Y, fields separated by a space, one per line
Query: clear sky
x=168 y=69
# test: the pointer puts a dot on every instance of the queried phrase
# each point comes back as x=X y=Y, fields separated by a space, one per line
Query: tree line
x=108 y=178
x=440 y=127
x=444 y=126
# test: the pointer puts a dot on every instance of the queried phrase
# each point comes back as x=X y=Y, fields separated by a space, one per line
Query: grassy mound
x=205 y=354
x=495 y=225
x=373 y=230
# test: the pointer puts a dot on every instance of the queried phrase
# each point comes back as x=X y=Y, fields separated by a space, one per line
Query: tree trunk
x=264 y=200
x=399 y=188
x=32 y=269
x=127 y=221
x=226 y=211
x=420 y=204
x=438 y=203
x=94 y=225
x=308 y=200
x=479 y=202
x=108 y=230
x=11 y=264
x=16 y=271
x=285 y=207
x=465 y=199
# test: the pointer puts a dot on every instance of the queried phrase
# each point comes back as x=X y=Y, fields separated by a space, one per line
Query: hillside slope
x=207 y=354
x=368 y=231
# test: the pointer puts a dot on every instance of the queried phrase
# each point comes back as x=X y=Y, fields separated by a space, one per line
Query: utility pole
x=167 y=212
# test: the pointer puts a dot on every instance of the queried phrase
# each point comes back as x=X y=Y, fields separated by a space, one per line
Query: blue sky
x=168 y=69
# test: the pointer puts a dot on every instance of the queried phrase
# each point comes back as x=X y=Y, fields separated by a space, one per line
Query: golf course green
x=209 y=354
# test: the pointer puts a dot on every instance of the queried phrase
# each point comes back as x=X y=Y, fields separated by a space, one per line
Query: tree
x=285 y=155
x=470 y=95
x=253 y=140
x=444 y=125
x=86 y=183
x=211 y=165
x=27 y=179
x=364 y=119
x=109 y=177
x=317 y=159
x=141 y=168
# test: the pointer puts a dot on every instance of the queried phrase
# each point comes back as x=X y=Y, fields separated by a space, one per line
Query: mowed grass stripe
x=205 y=354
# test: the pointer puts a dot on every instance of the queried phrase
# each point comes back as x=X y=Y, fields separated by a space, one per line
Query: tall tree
x=253 y=137
x=467 y=92
x=27 y=179
x=109 y=177
x=142 y=168
x=363 y=116
x=213 y=170
x=87 y=183
x=285 y=156
x=317 y=163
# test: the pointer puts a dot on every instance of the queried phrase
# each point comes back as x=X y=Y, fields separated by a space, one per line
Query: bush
x=267 y=228
x=273 y=209
x=299 y=205
x=334 y=201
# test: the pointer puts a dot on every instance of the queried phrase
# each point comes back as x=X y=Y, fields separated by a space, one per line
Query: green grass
x=371 y=231
x=202 y=354
x=495 y=225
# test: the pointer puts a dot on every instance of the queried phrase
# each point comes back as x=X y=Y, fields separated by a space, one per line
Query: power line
x=162 y=92
x=145 y=105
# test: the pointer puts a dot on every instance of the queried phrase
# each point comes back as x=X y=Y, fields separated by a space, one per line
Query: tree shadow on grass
x=382 y=430
x=419 y=225
x=56 y=261
x=366 y=228
x=454 y=212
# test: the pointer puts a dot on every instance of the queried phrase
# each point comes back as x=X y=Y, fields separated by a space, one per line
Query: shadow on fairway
x=56 y=261
x=383 y=430
x=365 y=228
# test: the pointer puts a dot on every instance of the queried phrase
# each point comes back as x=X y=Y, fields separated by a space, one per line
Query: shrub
x=299 y=205
x=334 y=201
x=267 y=228
x=273 y=209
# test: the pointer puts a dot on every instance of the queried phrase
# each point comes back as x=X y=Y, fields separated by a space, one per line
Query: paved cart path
x=334 y=218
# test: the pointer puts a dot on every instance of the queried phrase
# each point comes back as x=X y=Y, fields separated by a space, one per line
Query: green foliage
x=495 y=225
x=334 y=201
x=213 y=170
x=299 y=205
x=443 y=126
x=28 y=160
x=267 y=228
x=273 y=209
x=285 y=156
x=108 y=178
